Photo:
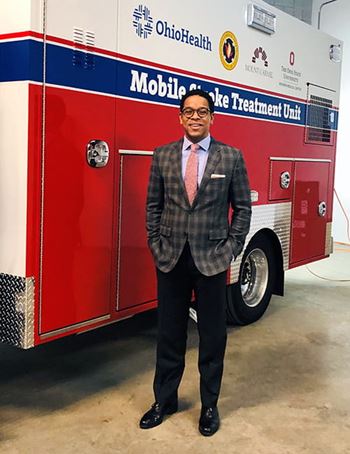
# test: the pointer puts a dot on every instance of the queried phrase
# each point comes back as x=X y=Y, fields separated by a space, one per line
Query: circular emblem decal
x=229 y=51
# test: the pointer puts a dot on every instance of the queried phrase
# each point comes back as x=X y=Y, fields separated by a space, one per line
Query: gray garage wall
x=298 y=8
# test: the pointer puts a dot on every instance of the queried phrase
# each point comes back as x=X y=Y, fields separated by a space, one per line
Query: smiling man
x=192 y=184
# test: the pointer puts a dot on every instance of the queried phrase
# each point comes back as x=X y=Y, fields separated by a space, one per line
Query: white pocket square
x=217 y=175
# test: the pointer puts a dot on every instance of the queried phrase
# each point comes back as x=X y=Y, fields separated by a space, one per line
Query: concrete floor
x=285 y=391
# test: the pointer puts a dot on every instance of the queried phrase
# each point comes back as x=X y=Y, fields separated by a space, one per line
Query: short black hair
x=198 y=92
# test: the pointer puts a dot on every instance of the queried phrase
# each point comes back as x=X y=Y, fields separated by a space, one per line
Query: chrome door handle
x=97 y=153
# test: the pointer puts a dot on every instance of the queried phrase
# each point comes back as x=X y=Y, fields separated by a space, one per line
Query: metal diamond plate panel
x=17 y=310
x=276 y=217
x=329 y=241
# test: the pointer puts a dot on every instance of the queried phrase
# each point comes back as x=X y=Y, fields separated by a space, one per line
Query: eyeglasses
x=202 y=112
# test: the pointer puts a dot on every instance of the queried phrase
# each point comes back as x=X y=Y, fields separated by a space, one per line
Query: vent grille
x=84 y=46
x=78 y=36
x=90 y=38
x=318 y=126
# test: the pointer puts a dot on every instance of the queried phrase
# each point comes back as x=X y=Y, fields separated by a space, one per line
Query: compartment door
x=311 y=210
x=78 y=197
x=136 y=277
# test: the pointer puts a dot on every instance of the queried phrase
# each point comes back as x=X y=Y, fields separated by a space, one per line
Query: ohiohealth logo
x=143 y=25
x=143 y=21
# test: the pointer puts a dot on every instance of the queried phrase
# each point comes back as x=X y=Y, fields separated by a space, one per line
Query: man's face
x=196 y=127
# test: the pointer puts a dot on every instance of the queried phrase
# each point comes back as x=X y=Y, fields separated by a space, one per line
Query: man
x=192 y=183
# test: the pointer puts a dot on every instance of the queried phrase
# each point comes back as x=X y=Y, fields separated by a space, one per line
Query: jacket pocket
x=164 y=230
x=218 y=234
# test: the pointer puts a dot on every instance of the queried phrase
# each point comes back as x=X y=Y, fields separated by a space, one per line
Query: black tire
x=248 y=299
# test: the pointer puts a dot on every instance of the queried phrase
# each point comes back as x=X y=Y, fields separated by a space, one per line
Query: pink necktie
x=191 y=173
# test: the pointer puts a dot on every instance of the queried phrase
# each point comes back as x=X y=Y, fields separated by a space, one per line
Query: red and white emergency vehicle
x=87 y=90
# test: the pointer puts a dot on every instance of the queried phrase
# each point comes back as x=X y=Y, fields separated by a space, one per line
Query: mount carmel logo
x=259 y=63
x=229 y=50
x=260 y=54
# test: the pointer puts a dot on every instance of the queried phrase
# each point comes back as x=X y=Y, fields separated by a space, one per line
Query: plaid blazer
x=171 y=220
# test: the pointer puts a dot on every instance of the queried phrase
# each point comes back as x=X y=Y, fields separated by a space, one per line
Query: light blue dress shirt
x=202 y=156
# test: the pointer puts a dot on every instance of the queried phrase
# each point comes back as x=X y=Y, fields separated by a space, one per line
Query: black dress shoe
x=209 y=422
x=154 y=416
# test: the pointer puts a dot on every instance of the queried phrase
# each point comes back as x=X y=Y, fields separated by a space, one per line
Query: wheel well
x=269 y=235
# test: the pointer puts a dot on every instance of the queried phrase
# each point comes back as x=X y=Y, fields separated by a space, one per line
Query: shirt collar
x=204 y=143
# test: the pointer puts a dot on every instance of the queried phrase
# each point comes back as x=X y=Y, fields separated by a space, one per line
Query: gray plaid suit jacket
x=171 y=220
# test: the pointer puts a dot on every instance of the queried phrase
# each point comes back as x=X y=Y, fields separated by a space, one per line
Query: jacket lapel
x=213 y=160
x=176 y=167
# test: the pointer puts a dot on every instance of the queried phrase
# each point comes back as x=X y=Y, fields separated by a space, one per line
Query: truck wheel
x=248 y=299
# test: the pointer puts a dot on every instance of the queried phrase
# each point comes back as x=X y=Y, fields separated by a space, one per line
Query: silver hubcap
x=254 y=278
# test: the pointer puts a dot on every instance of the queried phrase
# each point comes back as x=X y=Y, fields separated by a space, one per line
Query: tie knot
x=194 y=147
